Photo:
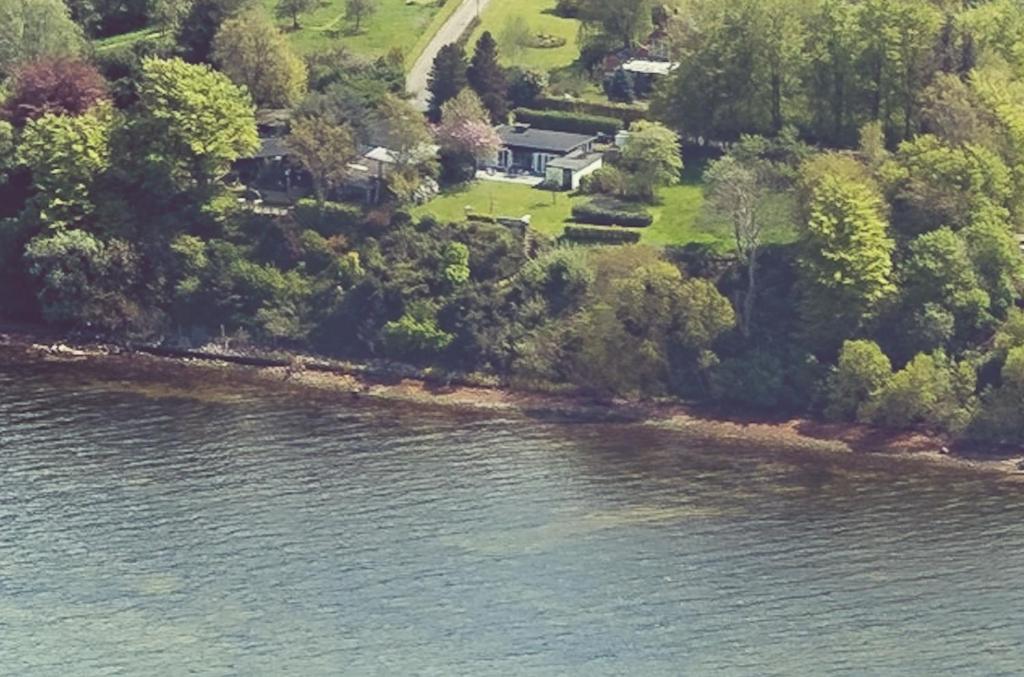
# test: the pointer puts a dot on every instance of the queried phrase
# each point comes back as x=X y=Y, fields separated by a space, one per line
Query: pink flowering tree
x=465 y=129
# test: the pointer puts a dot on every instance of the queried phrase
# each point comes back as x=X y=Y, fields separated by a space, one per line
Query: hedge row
x=625 y=112
x=600 y=235
x=601 y=216
x=561 y=121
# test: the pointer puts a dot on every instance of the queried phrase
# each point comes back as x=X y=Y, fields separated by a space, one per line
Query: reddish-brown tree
x=55 y=85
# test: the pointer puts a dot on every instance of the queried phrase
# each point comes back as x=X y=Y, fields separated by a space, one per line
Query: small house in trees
x=529 y=150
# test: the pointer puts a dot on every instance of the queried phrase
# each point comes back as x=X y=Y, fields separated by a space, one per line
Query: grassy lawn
x=548 y=211
x=538 y=16
x=141 y=35
x=395 y=24
x=677 y=218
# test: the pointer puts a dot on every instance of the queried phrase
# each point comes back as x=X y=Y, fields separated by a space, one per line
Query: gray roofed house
x=526 y=148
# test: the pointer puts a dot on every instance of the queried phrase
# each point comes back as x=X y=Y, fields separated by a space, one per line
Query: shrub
x=607 y=180
x=335 y=218
x=594 y=234
x=598 y=215
x=862 y=371
x=561 y=121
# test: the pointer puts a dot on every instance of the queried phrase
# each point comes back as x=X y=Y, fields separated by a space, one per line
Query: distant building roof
x=273 y=116
x=272 y=147
x=649 y=67
x=576 y=161
x=524 y=136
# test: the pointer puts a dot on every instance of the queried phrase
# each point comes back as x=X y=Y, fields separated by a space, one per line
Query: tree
x=932 y=390
x=57 y=85
x=487 y=78
x=846 y=255
x=524 y=86
x=447 y=78
x=834 y=46
x=85 y=281
x=65 y=155
x=624 y=23
x=33 y=29
x=291 y=9
x=252 y=52
x=651 y=158
x=863 y=369
x=358 y=10
x=325 y=150
x=199 y=26
x=644 y=326
x=465 y=129
x=620 y=86
x=404 y=131
x=749 y=193
x=197 y=121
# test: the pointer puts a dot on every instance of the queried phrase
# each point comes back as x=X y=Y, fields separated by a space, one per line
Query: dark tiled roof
x=542 y=139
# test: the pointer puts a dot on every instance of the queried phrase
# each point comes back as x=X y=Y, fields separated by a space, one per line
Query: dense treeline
x=888 y=135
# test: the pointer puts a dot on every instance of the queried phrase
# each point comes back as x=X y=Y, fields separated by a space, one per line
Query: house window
x=504 y=158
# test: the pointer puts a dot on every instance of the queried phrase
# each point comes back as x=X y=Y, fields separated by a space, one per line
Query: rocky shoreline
x=195 y=369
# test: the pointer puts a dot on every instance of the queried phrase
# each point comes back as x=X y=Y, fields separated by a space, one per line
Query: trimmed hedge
x=561 y=121
x=602 y=216
x=596 y=234
x=628 y=113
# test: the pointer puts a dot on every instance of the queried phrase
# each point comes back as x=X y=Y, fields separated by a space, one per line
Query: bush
x=335 y=218
x=561 y=121
x=594 y=234
x=598 y=215
x=608 y=180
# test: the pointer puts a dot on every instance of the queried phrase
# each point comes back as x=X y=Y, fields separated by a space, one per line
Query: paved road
x=416 y=82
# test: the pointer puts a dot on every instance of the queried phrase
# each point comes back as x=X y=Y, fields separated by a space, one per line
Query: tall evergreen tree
x=447 y=78
x=487 y=78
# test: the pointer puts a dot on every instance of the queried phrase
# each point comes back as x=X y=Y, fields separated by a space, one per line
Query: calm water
x=146 y=532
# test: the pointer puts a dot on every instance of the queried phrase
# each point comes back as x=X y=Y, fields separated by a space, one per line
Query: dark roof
x=271 y=147
x=542 y=139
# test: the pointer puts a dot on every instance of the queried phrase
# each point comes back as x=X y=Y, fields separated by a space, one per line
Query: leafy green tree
x=487 y=78
x=415 y=335
x=1000 y=417
x=863 y=369
x=66 y=155
x=291 y=9
x=359 y=10
x=931 y=390
x=251 y=51
x=624 y=23
x=84 y=281
x=200 y=23
x=325 y=150
x=935 y=184
x=845 y=261
x=447 y=78
x=644 y=324
x=651 y=158
x=456 y=264
x=834 y=46
x=35 y=29
x=197 y=121
x=525 y=86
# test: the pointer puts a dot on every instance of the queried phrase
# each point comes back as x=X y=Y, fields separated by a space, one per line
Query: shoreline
x=348 y=381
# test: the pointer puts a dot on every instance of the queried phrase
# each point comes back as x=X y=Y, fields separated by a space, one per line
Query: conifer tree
x=487 y=78
x=447 y=78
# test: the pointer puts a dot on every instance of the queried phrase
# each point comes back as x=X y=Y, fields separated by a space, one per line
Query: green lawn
x=395 y=24
x=538 y=16
x=141 y=35
x=677 y=219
